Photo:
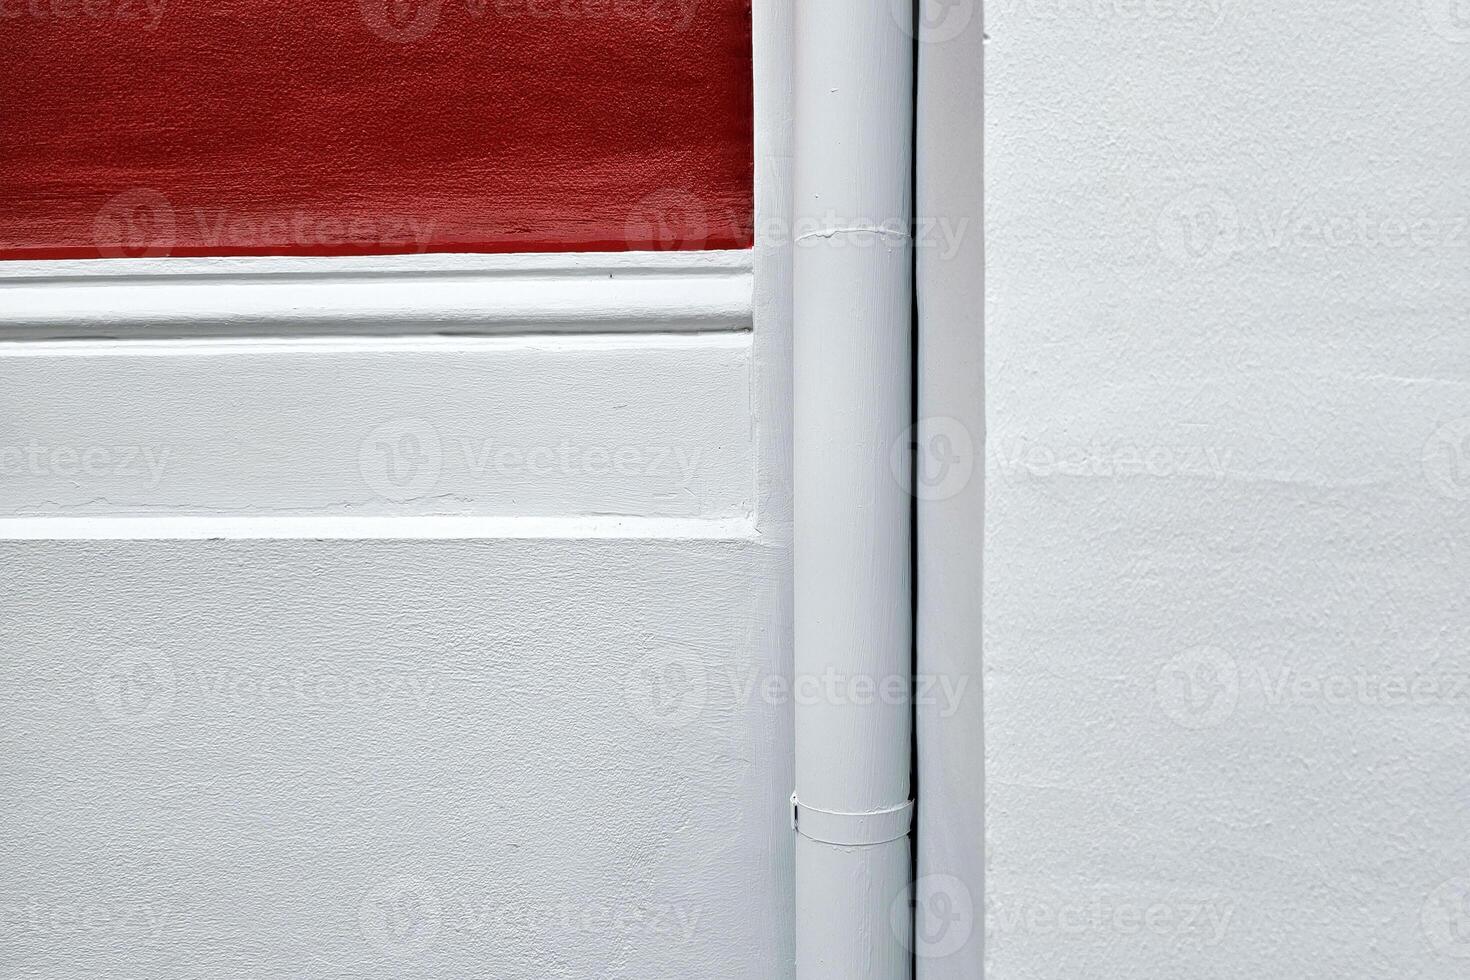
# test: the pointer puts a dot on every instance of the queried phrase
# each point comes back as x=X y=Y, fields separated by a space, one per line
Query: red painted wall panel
x=249 y=127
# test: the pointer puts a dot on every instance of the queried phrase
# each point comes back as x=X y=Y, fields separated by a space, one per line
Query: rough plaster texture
x=1226 y=615
x=424 y=725
x=390 y=759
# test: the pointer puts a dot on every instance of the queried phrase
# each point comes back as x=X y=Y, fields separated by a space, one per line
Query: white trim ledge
x=381 y=527
x=461 y=295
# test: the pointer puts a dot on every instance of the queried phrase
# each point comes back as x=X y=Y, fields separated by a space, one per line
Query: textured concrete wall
x=1228 y=685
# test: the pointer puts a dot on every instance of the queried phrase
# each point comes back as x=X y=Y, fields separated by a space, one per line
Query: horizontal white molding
x=345 y=344
x=443 y=528
x=713 y=262
x=668 y=292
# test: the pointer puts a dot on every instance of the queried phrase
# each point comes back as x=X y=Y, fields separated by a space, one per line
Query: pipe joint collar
x=852 y=829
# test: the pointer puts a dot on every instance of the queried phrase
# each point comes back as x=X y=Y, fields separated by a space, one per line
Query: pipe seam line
x=852 y=829
x=881 y=232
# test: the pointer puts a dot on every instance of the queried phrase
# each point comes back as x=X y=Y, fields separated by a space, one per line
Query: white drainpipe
x=853 y=302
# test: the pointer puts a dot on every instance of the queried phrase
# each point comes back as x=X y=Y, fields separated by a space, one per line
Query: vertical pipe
x=949 y=892
x=853 y=296
x=773 y=31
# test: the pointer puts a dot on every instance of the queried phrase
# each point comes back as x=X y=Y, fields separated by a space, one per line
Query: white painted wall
x=335 y=689
x=389 y=656
x=382 y=758
x=1228 y=375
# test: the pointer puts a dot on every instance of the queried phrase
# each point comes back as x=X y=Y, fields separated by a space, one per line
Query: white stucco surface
x=395 y=656
x=1228 y=377
x=390 y=758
